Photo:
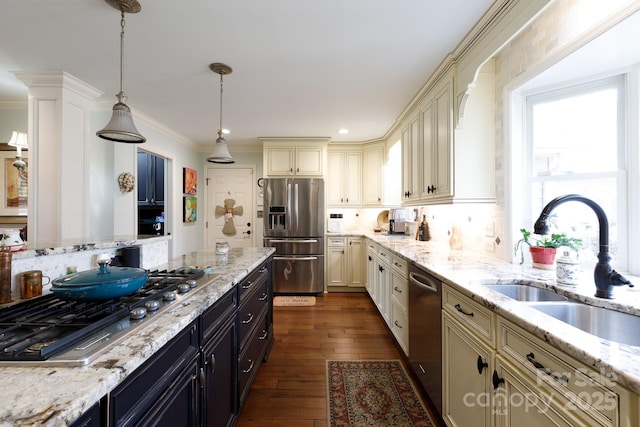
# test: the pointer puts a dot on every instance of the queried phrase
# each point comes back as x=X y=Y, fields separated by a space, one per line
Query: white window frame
x=628 y=174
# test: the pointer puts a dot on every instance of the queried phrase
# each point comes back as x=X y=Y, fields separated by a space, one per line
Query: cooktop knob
x=169 y=296
x=138 y=313
x=191 y=283
x=152 y=305
x=183 y=288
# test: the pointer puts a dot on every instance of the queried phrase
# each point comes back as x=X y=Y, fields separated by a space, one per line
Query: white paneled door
x=230 y=207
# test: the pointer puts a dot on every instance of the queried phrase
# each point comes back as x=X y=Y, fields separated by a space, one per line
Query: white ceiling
x=301 y=68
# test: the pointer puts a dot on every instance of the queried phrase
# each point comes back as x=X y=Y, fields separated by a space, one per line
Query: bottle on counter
x=5 y=274
x=423 y=230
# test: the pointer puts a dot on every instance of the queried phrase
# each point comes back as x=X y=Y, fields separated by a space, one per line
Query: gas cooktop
x=49 y=331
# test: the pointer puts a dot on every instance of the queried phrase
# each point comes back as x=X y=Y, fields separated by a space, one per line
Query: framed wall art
x=190 y=209
x=189 y=181
x=13 y=187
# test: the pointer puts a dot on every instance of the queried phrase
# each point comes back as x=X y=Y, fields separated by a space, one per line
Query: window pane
x=576 y=134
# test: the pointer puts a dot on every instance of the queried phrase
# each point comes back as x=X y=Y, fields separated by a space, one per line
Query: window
x=575 y=144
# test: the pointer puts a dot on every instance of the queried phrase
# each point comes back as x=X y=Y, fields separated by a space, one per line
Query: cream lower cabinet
x=467 y=376
x=497 y=374
x=345 y=267
x=468 y=360
x=399 y=299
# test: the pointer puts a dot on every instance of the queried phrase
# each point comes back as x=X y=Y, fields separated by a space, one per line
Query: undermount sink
x=611 y=325
x=527 y=293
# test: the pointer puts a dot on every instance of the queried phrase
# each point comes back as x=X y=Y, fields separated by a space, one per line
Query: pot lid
x=100 y=276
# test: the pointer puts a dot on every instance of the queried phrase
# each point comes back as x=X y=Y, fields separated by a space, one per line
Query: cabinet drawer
x=255 y=279
x=251 y=357
x=251 y=310
x=471 y=314
x=400 y=290
x=556 y=373
x=215 y=316
x=384 y=255
x=336 y=241
x=400 y=326
x=400 y=265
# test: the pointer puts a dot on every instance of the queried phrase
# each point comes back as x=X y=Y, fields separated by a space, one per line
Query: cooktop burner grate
x=41 y=328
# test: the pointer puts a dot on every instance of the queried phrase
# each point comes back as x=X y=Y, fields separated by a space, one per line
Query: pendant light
x=121 y=128
x=220 y=152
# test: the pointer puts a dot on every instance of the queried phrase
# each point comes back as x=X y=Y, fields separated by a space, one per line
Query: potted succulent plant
x=543 y=251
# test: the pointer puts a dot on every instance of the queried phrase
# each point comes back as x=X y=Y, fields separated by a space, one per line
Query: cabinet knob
x=496 y=380
x=481 y=365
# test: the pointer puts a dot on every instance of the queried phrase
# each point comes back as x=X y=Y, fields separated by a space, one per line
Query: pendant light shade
x=121 y=127
x=220 y=152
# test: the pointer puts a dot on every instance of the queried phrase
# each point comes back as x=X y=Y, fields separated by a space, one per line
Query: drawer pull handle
x=264 y=336
x=248 y=285
x=249 y=320
x=395 y=288
x=201 y=378
x=263 y=297
x=539 y=366
x=497 y=380
x=246 y=371
x=468 y=313
x=212 y=363
x=262 y=270
x=395 y=322
x=481 y=365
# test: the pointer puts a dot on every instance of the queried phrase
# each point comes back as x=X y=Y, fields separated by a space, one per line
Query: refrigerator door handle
x=297 y=211
x=295 y=258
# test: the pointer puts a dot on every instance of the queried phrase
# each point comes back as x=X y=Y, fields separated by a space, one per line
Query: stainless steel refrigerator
x=294 y=218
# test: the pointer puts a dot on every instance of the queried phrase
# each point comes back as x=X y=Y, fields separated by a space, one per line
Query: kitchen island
x=57 y=396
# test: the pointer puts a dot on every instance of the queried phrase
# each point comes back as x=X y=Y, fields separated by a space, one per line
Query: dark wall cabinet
x=203 y=375
x=150 y=178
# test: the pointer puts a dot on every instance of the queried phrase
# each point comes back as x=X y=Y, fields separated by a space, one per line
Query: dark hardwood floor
x=290 y=389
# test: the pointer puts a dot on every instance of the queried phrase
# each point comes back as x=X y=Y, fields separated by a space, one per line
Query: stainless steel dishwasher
x=425 y=331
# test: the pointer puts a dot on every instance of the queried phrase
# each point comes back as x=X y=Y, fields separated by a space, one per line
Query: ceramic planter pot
x=543 y=258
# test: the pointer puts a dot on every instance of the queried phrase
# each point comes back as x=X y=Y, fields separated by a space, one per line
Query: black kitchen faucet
x=604 y=275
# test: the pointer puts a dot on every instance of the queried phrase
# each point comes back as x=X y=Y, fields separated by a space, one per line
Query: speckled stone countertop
x=56 y=396
x=469 y=272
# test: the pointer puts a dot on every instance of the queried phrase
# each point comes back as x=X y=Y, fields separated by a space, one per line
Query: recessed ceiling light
x=343 y=131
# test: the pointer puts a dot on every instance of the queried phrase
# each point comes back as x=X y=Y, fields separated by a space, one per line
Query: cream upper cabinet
x=411 y=165
x=294 y=157
x=344 y=177
x=372 y=173
x=437 y=130
x=442 y=164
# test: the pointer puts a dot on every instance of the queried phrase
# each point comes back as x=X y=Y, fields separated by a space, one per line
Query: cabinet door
x=427 y=183
x=336 y=266
x=518 y=402
x=411 y=162
x=355 y=249
x=467 y=367
x=309 y=161
x=280 y=161
x=143 y=177
x=353 y=175
x=371 y=273
x=219 y=403
x=443 y=136
x=179 y=406
x=383 y=284
x=372 y=172
x=158 y=179
x=335 y=178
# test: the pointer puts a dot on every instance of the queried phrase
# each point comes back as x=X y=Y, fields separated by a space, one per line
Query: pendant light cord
x=121 y=95
x=220 y=130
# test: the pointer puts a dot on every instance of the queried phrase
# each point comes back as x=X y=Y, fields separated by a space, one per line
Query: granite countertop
x=55 y=396
x=468 y=272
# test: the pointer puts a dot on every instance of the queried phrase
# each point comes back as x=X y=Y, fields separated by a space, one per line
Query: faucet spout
x=604 y=275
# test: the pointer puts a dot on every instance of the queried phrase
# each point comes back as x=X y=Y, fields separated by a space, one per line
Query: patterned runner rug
x=373 y=393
